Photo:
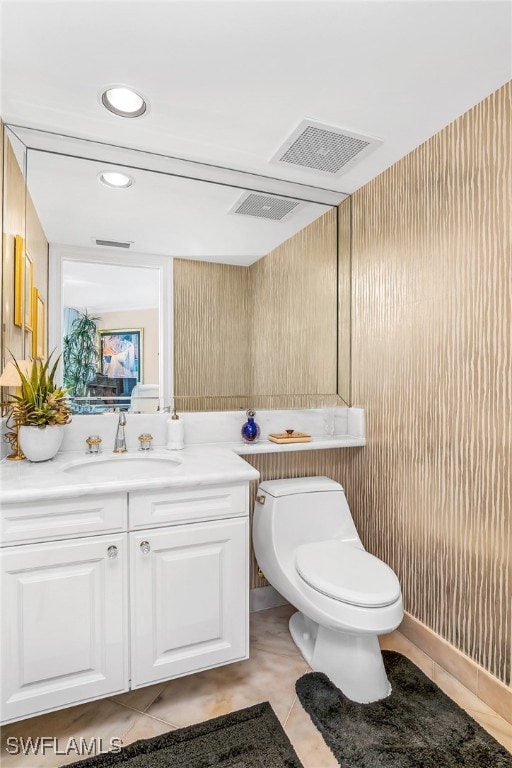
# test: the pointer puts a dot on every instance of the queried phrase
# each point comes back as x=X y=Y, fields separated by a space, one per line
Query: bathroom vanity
x=117 y=582
x=119 y=571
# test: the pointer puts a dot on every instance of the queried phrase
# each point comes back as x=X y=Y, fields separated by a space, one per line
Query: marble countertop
x=212 y=456
x=23 y=481
x=315 y=444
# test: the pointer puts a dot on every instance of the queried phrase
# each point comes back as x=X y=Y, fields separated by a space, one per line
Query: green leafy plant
x=41 y=403
x=80 y=354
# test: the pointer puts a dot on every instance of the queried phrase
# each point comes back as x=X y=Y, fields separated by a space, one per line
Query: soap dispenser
x=250 y=430
x=175 y=432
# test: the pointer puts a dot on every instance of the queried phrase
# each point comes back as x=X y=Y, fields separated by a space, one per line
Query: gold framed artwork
x=19 y=280
x=28 y=279
x=38 y=325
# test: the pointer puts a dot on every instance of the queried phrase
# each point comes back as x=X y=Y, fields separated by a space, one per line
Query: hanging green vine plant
x=80 y=354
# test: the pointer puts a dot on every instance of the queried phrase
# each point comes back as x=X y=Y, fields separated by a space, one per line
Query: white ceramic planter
x=41 y=443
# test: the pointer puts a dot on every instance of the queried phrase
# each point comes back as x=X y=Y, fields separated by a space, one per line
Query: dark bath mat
x=249 y=738
x=417 y=726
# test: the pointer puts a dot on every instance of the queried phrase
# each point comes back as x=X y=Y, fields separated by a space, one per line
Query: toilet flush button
x=260 y=499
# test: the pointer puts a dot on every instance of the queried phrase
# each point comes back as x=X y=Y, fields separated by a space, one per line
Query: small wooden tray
x=290 y=437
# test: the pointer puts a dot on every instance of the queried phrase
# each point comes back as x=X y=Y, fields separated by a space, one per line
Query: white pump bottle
x=175 y=432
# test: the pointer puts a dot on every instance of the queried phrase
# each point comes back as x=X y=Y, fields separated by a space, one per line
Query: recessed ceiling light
x=115 y=179
x=123 y=101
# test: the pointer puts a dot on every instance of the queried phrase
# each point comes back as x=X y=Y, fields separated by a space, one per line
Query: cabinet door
x=63 y=624
x=189 y=598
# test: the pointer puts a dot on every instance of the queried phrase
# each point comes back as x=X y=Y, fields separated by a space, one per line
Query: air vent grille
x=113 y=243
x=265 y=206
x=325 y=148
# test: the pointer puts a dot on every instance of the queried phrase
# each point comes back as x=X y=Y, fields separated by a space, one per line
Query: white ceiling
x=101 y=288
x=228 y=82
x=159 y=214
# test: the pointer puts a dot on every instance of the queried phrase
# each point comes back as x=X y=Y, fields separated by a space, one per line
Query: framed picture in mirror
x=120 y=353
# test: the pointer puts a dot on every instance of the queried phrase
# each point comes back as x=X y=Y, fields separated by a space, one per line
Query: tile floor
x=269 y=675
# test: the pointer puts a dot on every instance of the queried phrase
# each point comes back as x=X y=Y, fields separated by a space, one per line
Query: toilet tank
x=300 y=510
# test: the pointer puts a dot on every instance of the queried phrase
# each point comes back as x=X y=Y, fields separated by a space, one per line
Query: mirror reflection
x=110 y=335
x=216 y=295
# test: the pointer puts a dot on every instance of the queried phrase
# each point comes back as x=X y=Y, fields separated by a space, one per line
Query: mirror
x=127 y=298
x=247 y=278
x=119 y=304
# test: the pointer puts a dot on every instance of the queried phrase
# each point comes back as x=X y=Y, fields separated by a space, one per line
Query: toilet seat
x=347 y=573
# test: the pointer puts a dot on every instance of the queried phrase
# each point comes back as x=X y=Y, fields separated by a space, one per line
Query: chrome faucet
x=120 y=441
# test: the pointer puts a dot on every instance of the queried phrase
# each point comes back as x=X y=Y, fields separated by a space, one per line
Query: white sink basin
x=122 y=467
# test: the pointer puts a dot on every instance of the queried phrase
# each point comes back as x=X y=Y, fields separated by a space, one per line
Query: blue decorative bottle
x=250 y=430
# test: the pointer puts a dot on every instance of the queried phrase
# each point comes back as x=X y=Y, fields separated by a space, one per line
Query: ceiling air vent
x=113 y=243
x=265 y=206
x=325 y=148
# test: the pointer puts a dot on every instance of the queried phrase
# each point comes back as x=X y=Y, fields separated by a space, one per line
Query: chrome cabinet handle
x=145 y=547
x=112 y=552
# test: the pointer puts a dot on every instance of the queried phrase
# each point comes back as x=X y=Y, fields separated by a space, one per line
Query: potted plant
x=80 y=354
x=40 y=411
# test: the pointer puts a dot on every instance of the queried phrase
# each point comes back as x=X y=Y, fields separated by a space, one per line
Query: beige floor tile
x=269 y=675
x=141 y=698
x=269 y=631
x=397 y=642
x=98 y=720
x=307 y=740
x=496 y=726
x=263 y=677
x=145 y=727
x=478 y=709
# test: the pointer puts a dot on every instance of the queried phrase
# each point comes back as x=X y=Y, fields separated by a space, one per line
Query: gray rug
x=249 y=738
x=417 y=726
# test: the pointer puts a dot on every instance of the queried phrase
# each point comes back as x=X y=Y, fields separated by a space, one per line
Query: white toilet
x=307 y=546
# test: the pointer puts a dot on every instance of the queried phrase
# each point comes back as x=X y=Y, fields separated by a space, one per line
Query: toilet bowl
x=308 y=547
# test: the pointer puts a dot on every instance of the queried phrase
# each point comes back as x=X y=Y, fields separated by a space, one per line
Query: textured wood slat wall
x=259 y=336
x=432 y=317
x=211 y=335
x=255 y=401
x=344 y=299
x=294 y=315
x=431 y=494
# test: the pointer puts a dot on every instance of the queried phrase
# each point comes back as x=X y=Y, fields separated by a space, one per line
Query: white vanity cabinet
x=189 y=572
x=189 y=598
x=116 y=591
x=63 y=623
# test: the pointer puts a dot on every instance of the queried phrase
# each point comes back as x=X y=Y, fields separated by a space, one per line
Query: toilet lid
x=347 y=573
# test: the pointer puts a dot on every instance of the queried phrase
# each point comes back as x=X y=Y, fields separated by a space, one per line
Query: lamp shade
x=10 y=376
